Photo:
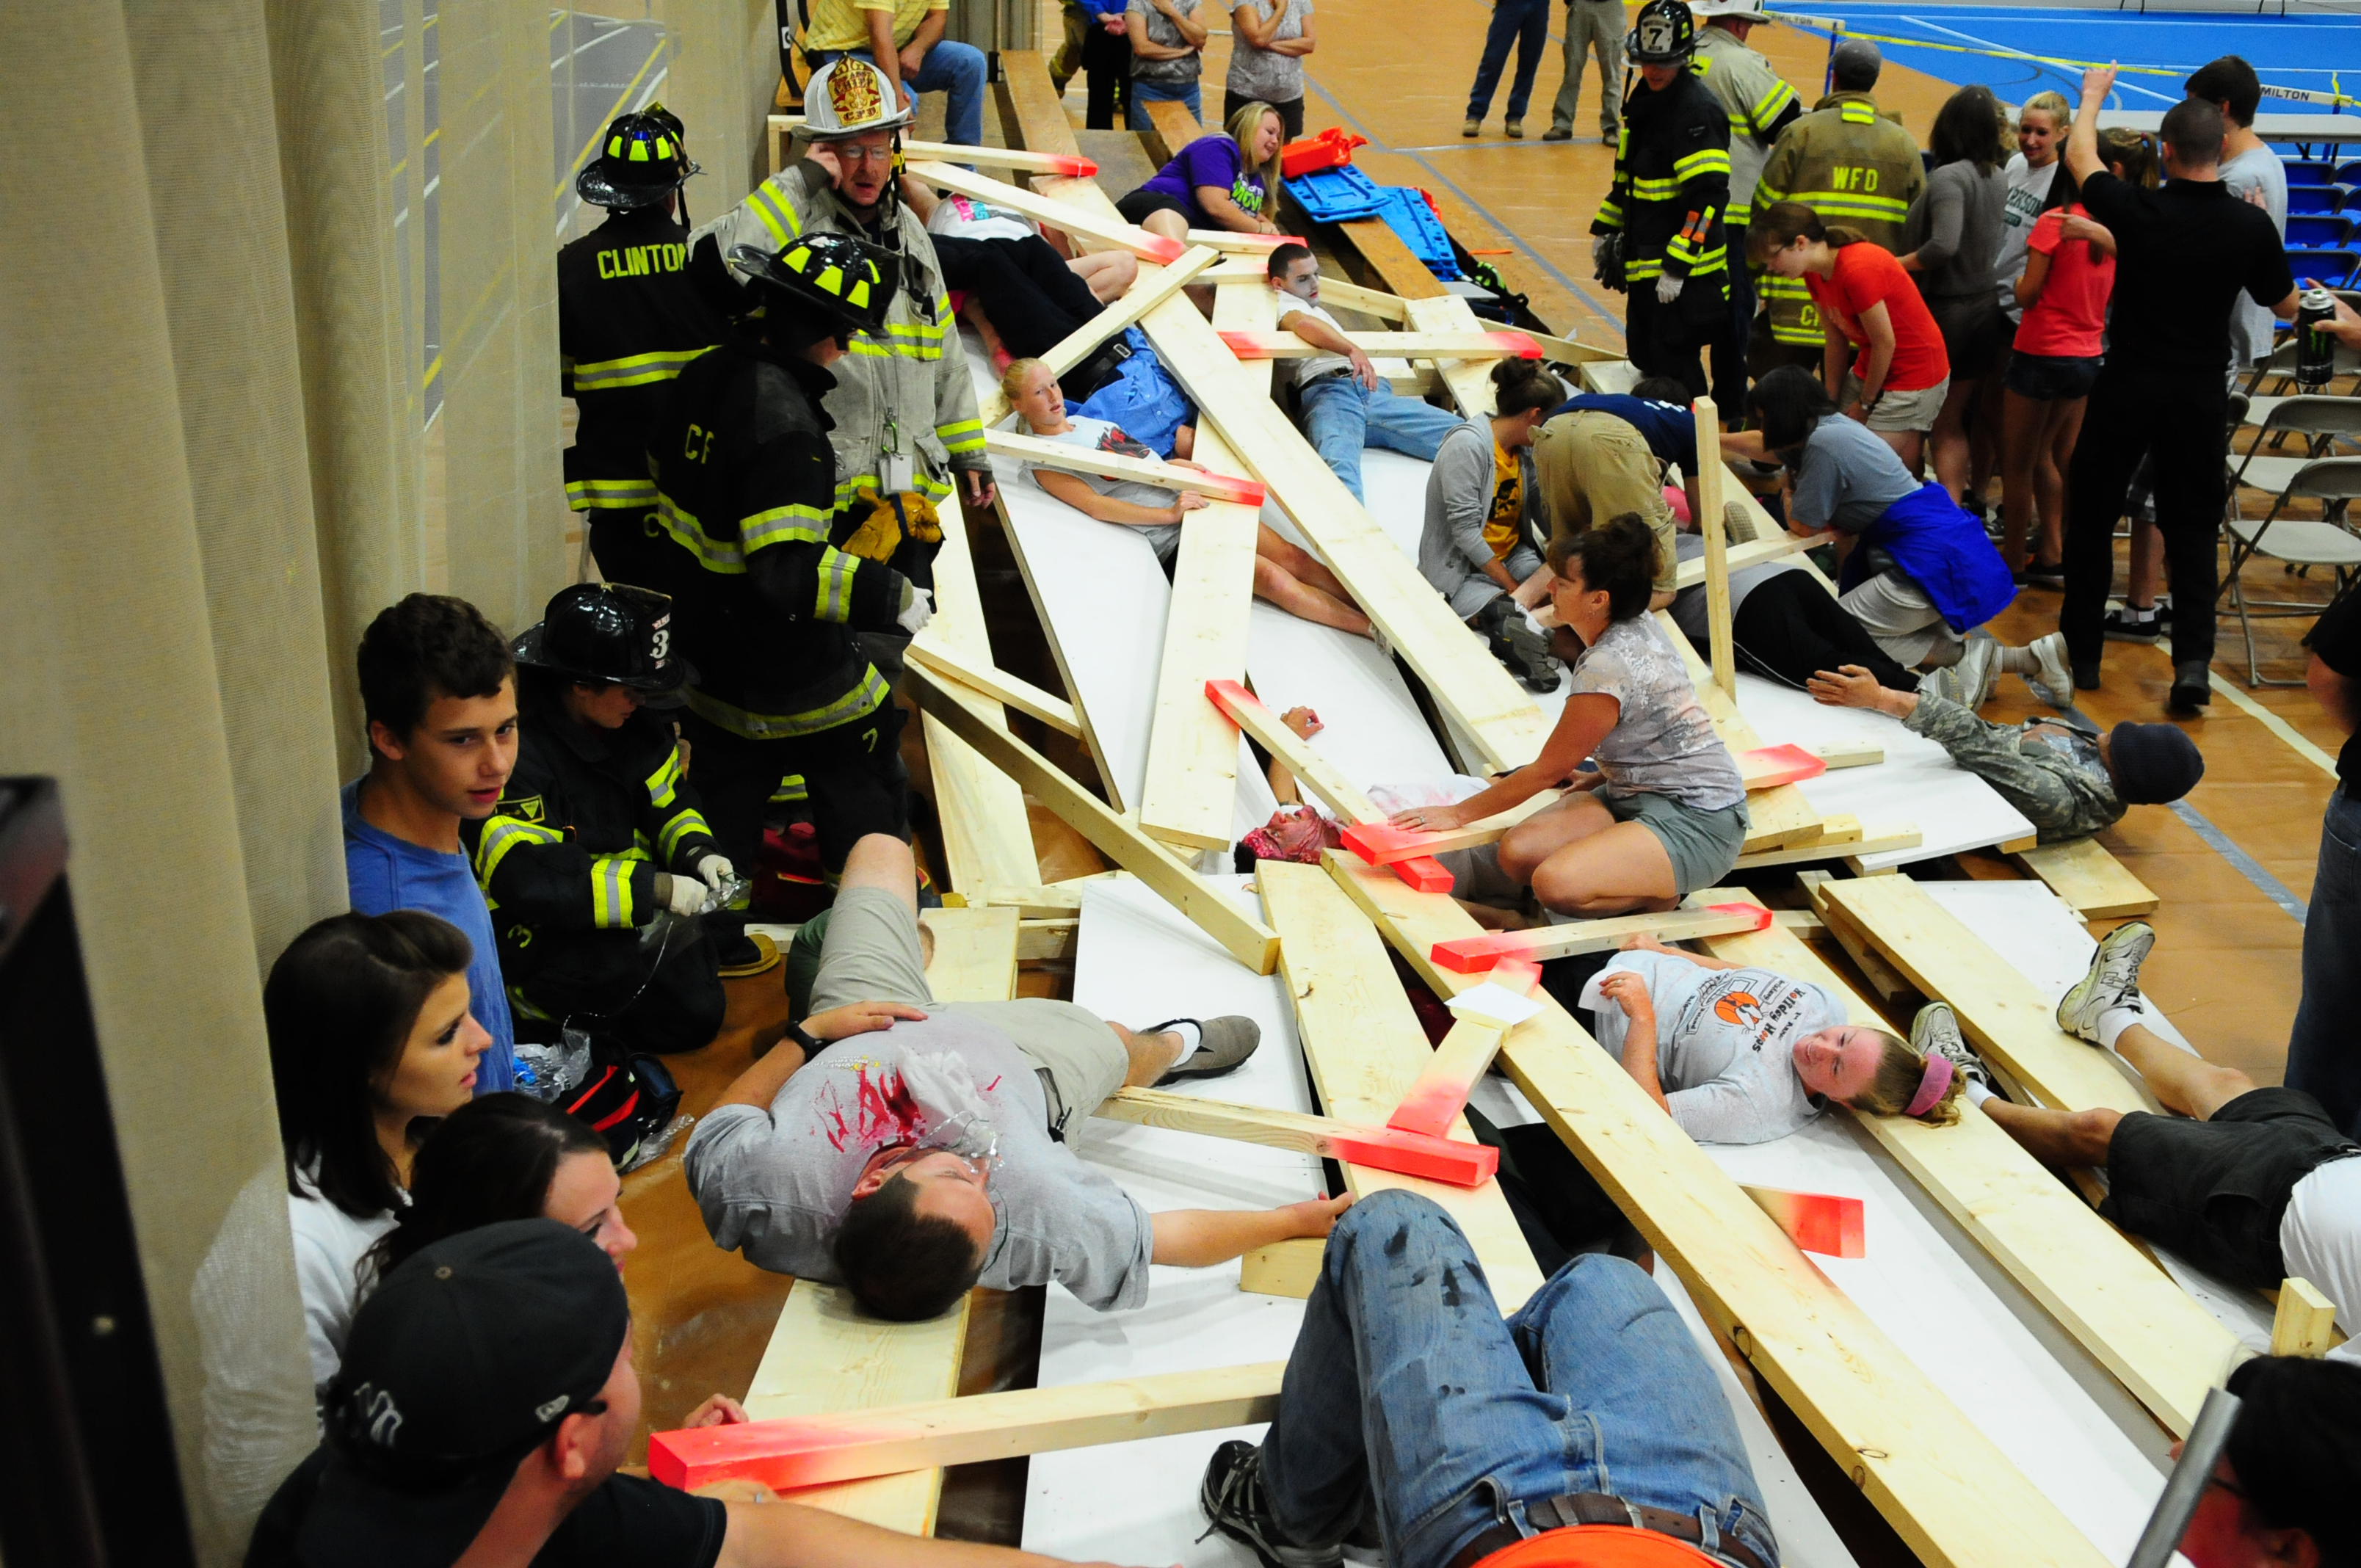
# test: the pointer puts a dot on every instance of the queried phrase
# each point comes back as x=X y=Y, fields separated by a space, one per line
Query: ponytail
x=1520 y=386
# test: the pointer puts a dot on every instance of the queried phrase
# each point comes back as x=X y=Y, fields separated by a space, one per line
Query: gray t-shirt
x=1259 y=73
x=775 y=1183
x=2028 y=191
x=1663 y=742
x=1160 y=30
x=1689 y=604
x=1848 y=478
x=2252 y=326
x=1955 y=227
x=1099 y=436
x=1724 y=1039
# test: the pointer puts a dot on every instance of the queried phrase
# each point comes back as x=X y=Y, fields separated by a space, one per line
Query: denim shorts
x=2050 y=377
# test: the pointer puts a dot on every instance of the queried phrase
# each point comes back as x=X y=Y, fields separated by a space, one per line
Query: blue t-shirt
x=385 y=873
x=1670 y=429
x=1208 y=160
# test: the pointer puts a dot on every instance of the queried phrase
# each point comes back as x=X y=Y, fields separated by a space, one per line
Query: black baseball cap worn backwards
x=461 y=1362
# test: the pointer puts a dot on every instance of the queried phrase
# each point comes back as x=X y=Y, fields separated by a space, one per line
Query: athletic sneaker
x=1944 y=682
x=2053 y=684
x=1223 y=1046
x=1524 y=651
x=2127 y=624
x=1936 y=1032
x=1979 y=669
x=2112 y=980
x=1234 y=1503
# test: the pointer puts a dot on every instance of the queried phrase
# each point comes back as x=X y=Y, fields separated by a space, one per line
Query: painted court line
x=2275 y=724
x=2246 y=865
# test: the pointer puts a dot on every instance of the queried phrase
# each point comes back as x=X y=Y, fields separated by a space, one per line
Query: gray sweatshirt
x=1458 y=502
x=1955 y=227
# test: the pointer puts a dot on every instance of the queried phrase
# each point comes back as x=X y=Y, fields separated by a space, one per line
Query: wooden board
x=1440 y=1095
x=1367 y=1050
x=998 y=684
x=987 y=836
x=1473 y=956
x=975 y=953
x=1067 y=165
x=1151 y=288
x=1462 y=677
x=1475 y=344
x=2305 y=1322
x=1383 y=253
x=1283 y=1269
x=1191 y=789
x=1998 y=1008
x=1776 y=818
x=2092 y=882
x=1314 y=773
x=1251 y=943
x=812 y=1450
x=1456 y=1162
x=1209 y=481
x=1846 y=840
x=1691 y=574
x=1108 y=233
x=1031 y=115
x=1722 y=648
x=1469 y=382
x=1040 y=939
x=1935 y=1477
x=1170 y=127
x=2103 y=1290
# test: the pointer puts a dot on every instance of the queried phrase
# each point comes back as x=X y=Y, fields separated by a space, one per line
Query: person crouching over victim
x=1665 y=812
x=1737 y=1055
x=1285 y=575
x=915 y=1166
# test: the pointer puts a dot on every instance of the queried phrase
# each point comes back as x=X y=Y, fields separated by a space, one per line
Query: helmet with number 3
x=1663 y=34
x=610 y=632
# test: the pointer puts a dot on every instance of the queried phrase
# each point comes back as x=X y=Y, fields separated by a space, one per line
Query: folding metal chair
x=2335 y=482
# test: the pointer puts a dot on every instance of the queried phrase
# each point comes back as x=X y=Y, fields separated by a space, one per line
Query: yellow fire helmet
x=850 y=97
x=844 y=281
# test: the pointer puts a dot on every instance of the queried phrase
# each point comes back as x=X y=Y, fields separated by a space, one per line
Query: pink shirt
x=2069 y=320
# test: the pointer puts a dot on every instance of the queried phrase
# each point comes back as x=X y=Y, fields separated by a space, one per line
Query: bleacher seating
x=2345 y=174
x=2319 y=230
x=2333 y=267
x=2317 y=197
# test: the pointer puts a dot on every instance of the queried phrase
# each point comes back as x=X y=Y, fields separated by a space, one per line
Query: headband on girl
x=1932 y=1087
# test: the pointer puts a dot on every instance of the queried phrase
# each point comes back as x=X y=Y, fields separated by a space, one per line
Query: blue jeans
x=2322 y=1059
x=1524 y=23
x=955 y=69
x=1340 y=417
x=1404 y=1379
x=1143 y=94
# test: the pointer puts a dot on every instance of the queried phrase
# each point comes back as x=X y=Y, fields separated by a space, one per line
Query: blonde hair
x=2054 y=105
x=1012 y=380
x=1244 y=121
x=1900 y=1071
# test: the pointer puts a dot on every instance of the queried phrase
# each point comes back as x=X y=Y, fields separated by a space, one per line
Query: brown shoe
x=1516 y=129
x=1558 y=133
x=1472 y=128
x=740 y=963
x=1224 y=1044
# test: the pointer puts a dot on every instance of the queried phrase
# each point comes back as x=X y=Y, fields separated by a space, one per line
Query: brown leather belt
x=1598 y=1507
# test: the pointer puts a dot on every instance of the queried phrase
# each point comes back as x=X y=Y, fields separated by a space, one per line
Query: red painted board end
x=1473 y=955
x=1519 y=344
x=1519 y=975
x=1768 y=767
x=1229 y=696
x=1076 y=168
x=1159 y=247
x=1761 y=917
x=1816 y=1222
x=1411 y=1154
x=1381 y=843
x=1425 y=874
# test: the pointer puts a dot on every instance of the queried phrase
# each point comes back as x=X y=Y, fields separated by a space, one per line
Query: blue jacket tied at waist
x=1944 y=550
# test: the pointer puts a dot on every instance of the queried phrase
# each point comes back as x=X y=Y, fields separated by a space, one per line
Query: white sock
x=1977 y=1092
x=2115 y=1020
x=1191 y=1038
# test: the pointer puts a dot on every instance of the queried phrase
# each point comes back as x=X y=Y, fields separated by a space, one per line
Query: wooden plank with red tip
x=1064 y=217
x=1768 y=767
x=1816 y=1222
x=1475 y=955
x=1391 y=345
x=1438 y=1097
x=811 y=1451
x=1430 y=1156
x=1244 y=244
x=1067 y=166
x=1383 y=844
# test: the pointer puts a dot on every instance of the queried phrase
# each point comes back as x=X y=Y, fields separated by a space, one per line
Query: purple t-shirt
x=1208 y=160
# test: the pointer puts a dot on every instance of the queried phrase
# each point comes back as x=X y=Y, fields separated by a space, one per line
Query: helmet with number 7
x=1665 y=34
x=610 y=632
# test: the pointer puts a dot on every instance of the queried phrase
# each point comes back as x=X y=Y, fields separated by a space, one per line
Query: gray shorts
x=1900 y=410
x=1703 y=845
x=1901 y=619
x=871 y=954
x=1476 y=590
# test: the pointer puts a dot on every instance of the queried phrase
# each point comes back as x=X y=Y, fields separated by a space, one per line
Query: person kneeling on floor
x=599 y=834
x=913 y=1167
x=2068 y=782
x=1664 y=813
x=1586 y=1428
x=2250 y=1184
x=1738 y=1055
x=1482 y=516
x=1342 y=402
x=1285 y=575
x=486 y=1401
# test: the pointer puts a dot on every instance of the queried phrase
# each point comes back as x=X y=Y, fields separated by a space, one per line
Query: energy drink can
x=2315 y=351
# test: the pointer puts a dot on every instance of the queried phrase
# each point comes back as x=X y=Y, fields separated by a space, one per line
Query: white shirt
x=2028 y=191
x=1724 y=1044
x=329 y=1245
x=2320 y=1239
x=963 y=217
x=1319 y=365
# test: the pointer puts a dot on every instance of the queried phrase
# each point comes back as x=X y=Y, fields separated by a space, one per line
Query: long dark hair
x=1967 y=129
x=339 y=1007
x=1618 y=557
x=1786 y=405
x=492 y=1159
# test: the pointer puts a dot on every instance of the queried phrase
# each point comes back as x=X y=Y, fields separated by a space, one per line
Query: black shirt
x=2336 y=637
x=2182 y=253
x=627 y=1523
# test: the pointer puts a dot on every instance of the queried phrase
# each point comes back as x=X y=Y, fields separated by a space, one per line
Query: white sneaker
x=2112 y=979
x=2054 y=686
x=1979 y=670
x=1936 y=1032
